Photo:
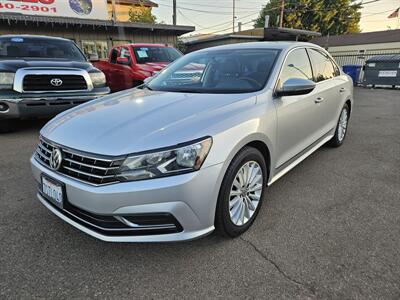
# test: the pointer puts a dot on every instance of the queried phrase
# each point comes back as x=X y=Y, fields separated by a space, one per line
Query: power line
x=212 y=6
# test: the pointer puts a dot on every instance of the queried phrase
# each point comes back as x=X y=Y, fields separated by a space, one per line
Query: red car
x=128 y=65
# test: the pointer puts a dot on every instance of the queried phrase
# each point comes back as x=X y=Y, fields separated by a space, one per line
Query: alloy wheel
x=342 y=125
x=245 y=193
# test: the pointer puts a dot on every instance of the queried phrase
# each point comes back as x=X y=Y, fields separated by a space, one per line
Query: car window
x=322 y=65
x=217 y=71
x=336 y=68
x=125 y=53
x=156 y=54
x=297 y=65
x=114 y=55
x=26 y=47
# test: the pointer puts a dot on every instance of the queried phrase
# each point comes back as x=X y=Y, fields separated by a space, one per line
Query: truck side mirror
x=123 y=61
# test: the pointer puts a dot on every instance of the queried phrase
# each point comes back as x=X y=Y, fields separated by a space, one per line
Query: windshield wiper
x=145 y=86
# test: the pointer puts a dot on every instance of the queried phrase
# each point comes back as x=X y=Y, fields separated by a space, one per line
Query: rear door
x=298 y=116
x=331 y=86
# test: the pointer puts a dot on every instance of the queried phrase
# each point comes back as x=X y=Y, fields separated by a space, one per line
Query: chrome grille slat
x=42 y=156
x=45 y=149
x=88 y=174
x=86 y=168
x=86 y=156
x=91 y=166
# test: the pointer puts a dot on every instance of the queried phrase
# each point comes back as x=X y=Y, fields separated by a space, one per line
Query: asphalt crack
x=278 y=268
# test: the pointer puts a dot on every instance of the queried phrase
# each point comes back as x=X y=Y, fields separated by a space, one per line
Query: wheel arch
x=349 y=104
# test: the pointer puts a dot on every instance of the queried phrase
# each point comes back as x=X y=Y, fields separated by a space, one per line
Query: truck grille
x=87 y=168
x=35 y=83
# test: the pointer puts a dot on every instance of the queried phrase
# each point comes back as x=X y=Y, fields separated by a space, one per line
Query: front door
x=298 y=116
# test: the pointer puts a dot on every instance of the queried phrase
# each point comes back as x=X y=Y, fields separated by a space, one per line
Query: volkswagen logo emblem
x=56 y=82
x=56 y=159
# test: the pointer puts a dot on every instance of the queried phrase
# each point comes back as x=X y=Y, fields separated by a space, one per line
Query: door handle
x=342 y=90
x=319 y=100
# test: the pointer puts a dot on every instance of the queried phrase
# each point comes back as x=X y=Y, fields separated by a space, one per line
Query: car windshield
x=156 y=54
x=216 y=71
x=24 y=47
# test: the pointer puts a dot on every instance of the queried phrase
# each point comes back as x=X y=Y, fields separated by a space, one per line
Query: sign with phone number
x=84 y=9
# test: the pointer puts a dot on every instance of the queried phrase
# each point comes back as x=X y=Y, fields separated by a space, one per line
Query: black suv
x=42 y=76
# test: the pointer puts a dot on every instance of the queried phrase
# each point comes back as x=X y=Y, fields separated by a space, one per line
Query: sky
x=215 y=16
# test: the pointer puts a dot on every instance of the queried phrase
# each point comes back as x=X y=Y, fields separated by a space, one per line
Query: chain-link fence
x=359 y=58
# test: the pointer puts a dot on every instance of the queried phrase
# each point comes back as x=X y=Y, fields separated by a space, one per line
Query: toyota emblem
x=56 y=82
x=56 y=159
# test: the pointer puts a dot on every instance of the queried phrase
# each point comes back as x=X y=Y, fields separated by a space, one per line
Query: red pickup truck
x=128 y=65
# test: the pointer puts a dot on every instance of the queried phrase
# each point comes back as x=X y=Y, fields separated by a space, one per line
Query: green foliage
x=141 y=14
x=180 y=45
x=325 y=16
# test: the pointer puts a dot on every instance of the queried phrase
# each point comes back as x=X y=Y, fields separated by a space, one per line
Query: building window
x=95 y=47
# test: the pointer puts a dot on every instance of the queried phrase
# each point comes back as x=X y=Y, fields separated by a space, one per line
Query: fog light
x=3 y=107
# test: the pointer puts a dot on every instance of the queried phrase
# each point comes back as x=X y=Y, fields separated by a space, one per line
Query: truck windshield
x=156 y=54
x=24 y=47
x=217 y=71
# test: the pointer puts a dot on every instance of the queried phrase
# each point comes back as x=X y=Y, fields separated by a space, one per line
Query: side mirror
x=295 y=86
x=93 y=57
x=123 y=61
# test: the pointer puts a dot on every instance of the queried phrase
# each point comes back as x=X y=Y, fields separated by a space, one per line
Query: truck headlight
x=6 y=80
x=98 y=79
x=179 y=160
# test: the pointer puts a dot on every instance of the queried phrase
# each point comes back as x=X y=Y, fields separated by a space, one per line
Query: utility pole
x=282 y=10
x=233 y=19
x=114 y=16
x=174 y=13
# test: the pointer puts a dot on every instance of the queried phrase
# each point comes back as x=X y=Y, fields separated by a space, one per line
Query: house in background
x=356 y=48
x=123 y=7
x=198 y=42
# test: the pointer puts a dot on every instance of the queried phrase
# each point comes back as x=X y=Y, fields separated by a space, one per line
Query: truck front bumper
x=17 y=106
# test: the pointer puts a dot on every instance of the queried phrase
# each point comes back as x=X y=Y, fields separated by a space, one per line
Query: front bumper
x=43 y=105
x=190 y=198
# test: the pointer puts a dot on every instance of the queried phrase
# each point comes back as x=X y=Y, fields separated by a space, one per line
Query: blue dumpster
x=353 y=71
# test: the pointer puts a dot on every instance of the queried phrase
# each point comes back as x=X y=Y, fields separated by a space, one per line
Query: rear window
x=22 y=47
x=156 y=54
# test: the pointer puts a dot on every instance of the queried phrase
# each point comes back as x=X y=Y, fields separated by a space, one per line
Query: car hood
x=140 y=120
x=152 y=67
x=14 y=64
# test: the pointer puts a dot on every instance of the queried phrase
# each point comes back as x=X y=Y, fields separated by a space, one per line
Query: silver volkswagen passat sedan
x=193 y=149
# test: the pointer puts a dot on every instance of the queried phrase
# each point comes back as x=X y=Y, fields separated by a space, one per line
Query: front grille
x=88 y=168
x=35 y=83
x=142 y=224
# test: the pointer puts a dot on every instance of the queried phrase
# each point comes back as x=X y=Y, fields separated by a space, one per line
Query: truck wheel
x=8 y=125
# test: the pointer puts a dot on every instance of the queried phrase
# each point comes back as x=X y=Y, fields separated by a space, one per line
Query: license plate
x=53 y=191
x=387 y=74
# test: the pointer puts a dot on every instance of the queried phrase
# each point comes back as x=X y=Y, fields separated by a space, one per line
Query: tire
x=8 y=125
x=339 y=136
x=225 y=223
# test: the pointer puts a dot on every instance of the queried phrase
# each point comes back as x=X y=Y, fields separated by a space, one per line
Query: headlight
x=6 y=80
x=98 y=79
x=175 y=161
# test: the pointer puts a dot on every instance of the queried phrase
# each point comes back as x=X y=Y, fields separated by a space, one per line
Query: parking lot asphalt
x=329 y=229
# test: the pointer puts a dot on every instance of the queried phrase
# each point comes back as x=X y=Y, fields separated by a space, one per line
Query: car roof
x=31 y=36
x=279 y=45
x=145 y=45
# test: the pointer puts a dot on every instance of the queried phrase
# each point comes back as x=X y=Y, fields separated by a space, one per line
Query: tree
x=141 y=14
x=325 y=16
